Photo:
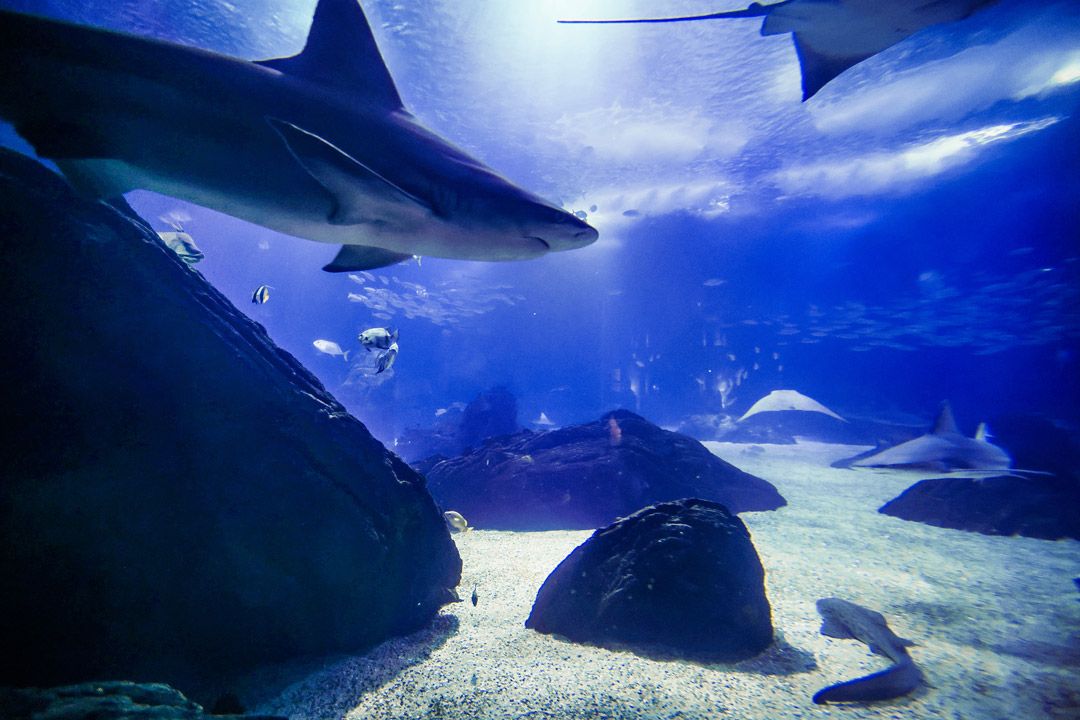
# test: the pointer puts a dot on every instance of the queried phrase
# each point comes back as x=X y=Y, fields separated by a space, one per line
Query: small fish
x=386 y=360
x=261 y=294
x=475 y=597
x=526 y=459
x=183 y=245
x=456 y=521
x=330 y=347
x=614 y=431
x=378 y=338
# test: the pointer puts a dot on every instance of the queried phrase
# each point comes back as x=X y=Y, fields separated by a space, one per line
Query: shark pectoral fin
x=833 y=629
x=341 y=52
x=363 y=257
x=357 y=190
x=817 y=68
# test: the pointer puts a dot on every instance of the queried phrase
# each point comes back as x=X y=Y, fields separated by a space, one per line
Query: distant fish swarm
x=261 y=294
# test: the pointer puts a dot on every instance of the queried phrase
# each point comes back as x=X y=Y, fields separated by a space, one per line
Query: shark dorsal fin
x=945 y=422
x=341 y=52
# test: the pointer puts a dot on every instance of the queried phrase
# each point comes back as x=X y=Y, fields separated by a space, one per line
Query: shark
x=318 y=145
x=846 y=620
x=834 y=35
x=944 y=448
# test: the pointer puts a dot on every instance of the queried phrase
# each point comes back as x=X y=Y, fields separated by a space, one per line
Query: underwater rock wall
x=585 y=476
x=182 y=500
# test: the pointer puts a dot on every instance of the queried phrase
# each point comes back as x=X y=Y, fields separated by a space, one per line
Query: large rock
x=1040 y=504
x=181 y=500
x=585 y=476
x=1037 y=507
x=108 y=700
x=677 y=578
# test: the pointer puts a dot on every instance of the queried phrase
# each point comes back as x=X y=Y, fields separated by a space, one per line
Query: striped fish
x=261 y=294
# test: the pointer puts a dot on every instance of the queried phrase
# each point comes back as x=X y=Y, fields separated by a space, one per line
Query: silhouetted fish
x=834 y=35
x=843 y=619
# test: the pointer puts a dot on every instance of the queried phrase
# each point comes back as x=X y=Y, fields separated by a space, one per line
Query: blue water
x=910 y=234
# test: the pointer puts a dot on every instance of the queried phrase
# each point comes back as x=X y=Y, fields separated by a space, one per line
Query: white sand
x=996 y=621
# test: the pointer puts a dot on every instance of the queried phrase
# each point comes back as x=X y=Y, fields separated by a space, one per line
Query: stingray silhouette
x=833 y=35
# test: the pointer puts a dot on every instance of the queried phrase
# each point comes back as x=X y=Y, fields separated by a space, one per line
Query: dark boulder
x=1037 y=507
x=1039 y=443
x=115 y=700
x=678 y=578
x=585 y=476
x=182 y=500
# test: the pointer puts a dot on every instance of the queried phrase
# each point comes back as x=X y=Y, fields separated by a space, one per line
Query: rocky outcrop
x=678 y=578
x=490 y=414
x=1039 y=501
x=112 y=700
x=182 y=500
x=1037 y=507
x=585 y=476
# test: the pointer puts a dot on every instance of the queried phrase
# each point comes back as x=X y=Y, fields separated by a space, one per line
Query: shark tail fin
x=900 y=679
x=945 y=422
x=341 y=52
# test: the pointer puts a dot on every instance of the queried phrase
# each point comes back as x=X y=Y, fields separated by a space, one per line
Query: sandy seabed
x=996 y=622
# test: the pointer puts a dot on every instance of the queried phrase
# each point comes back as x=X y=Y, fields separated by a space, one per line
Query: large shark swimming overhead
x=317 y=145
x=834 y=35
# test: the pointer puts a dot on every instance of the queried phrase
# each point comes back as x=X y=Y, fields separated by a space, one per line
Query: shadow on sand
x=329 y=687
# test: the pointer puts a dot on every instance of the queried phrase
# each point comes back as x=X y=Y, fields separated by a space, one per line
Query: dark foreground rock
x=1037 y=507
x=181 y=500
x=678 y=578
x=107 y=701
x=585 y=476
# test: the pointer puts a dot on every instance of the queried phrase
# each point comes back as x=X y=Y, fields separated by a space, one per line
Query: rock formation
x=585 y=476
x=678 y=578
x=182 y=500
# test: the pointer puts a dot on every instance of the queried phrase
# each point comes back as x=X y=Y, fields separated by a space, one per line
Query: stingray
x=944 y=448
x=833 y=35
x=784 y=400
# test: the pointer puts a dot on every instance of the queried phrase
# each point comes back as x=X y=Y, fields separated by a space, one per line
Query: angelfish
x=379 y=338
x=261 y=295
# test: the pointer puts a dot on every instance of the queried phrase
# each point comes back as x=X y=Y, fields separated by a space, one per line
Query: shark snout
x=561 y=230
